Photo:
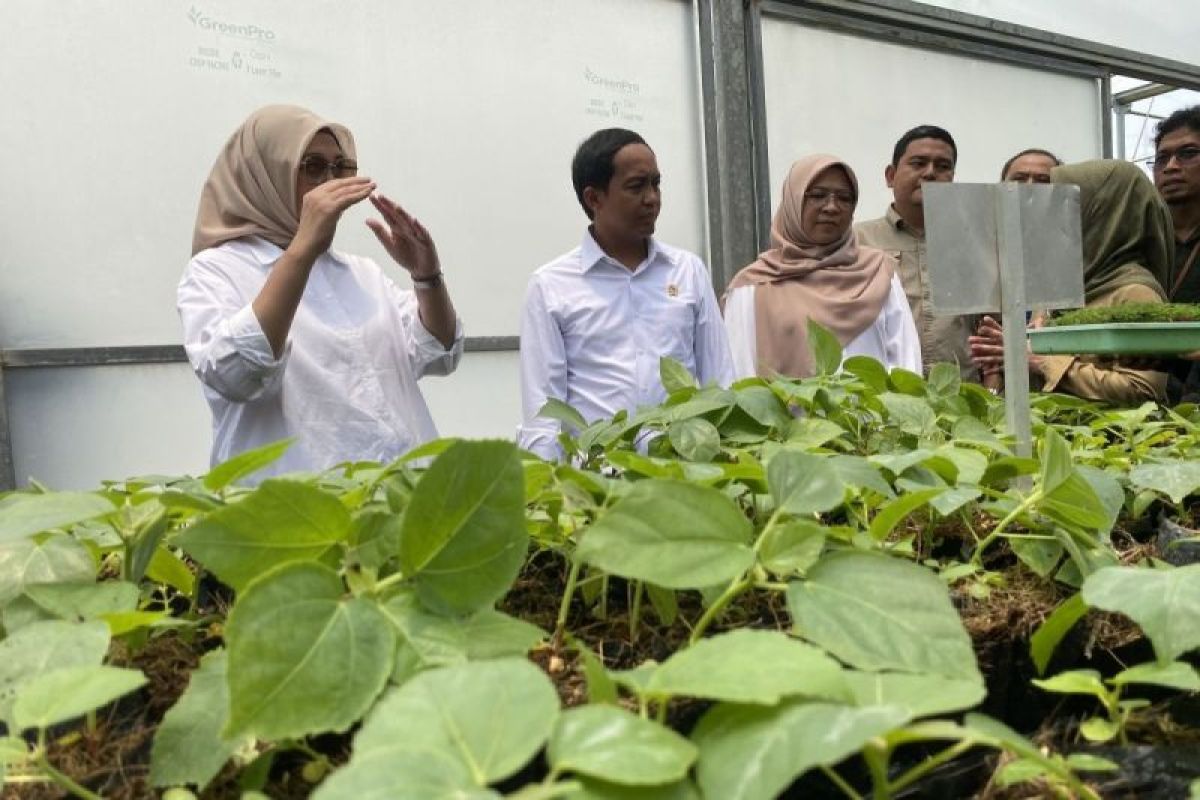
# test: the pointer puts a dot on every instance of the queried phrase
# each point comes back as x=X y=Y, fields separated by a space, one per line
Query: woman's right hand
x=321 y=208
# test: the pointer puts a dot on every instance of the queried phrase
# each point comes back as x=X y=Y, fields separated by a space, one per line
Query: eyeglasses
x=1183 y=156
x=821 y=196
x=315 y=168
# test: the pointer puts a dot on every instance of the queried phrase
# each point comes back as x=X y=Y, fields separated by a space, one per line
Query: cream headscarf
x=841 y=286
x=251 y=189
x=1127 y=233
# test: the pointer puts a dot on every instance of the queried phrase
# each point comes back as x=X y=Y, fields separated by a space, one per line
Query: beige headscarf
x=841 y=286
x=251 y=189
x=1127 y=233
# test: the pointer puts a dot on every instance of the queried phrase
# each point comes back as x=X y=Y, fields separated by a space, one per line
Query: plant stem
x=63 y=780
x=738 y=586
x=635 y=611
x=565 y=606
x=840 y=782
x=875 y=753
x=931 y=763
x=389 y=581
x=1029 y=502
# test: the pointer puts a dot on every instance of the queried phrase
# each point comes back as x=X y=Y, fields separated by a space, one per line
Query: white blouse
x=891 y=339
x=346 y=384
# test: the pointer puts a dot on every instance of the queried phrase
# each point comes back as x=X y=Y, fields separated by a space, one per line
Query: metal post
x=728 y=146
x=1011 y=253
x=1106 y=118
x=8 y=480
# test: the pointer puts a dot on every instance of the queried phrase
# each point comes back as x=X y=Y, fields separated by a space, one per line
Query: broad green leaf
x=859 y=473
x=55 y=558
x=558 y=410
x=166 y=567
x=666 y=604
x=748 y=666
x=76 y=602
x=303 y=657
x=970 y=464
x=13 y=751
x=463 y=538
x=592 y=789
x=803 y=483
x=490 y=716
x=430 y=449
x=1076 y=681
x=703 y=402
x=1098 y=729
x=611 y=744
x=1110 y=492
x=944 y=379
x=24 y=515
x=188 y=747
x=969 y=430
x=809 y=433
x=1175 y=675
x=879 y=613
x=755 y=752
x=65 y=693
x=897 y=463
x=898 y=510
x=953 y=499
x=42 y=646
x=411 y=772
x=919 y=695
x=1165 y=603
x=825 y=348
x=145 y=541
x=494 y=634
x=244 y=464
x=910 y=414
x=1074 y=503
x=375 y=537
x=1046 y=638
x=695 y=439
x=906 y=382
x=1084 y=762
x=763 y=406
x=869 y=371
x=642 y=465
x=600 y=687
x=674 y=534
x=282 y=521
x=1040 y=555
x=1177 y=479
x=674 y=376
x=791 y=547
x=1056 y=460
x=121 y=623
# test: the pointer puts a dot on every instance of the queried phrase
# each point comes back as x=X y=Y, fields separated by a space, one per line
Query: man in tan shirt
x=925 y=153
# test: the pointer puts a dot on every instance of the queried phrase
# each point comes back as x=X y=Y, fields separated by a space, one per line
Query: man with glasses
x=1177 y=176
x=924 y=154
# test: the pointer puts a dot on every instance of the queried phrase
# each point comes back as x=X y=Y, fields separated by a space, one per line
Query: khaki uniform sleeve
x=1098 y=378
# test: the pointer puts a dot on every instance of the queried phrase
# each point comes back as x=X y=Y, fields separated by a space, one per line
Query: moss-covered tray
x=1134 y=329
x=1119 y=338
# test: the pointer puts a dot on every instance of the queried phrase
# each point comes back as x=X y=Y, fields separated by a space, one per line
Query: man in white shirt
x=598 y=319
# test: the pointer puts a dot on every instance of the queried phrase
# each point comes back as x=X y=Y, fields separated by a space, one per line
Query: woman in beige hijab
x=294 y=340
x=1127 y=253
x=816 y=270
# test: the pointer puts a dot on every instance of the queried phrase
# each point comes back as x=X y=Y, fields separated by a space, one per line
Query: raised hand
x=405 y=239
x=321 y=209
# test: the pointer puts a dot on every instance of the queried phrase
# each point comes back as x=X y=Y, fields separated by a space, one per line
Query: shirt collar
x=591 y=254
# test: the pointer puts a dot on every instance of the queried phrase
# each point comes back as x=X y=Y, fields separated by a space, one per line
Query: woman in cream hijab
x=816 y=270
x=294 y=340
x=1127 y=255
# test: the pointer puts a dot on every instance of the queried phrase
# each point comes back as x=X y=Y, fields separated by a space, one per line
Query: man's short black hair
x=1183 y=118
x=1033 y=151
x=923 y=132
x=593 y=162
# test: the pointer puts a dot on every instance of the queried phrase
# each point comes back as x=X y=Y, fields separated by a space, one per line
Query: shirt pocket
x=676 y=322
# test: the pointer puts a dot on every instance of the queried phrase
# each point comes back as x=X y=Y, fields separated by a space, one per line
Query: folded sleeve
x=740 y=328
x=224 y=341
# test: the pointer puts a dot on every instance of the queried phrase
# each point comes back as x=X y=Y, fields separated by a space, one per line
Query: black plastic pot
x=1172 y=548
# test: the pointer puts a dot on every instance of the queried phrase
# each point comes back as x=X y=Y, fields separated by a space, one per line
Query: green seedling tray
x=1117 y=338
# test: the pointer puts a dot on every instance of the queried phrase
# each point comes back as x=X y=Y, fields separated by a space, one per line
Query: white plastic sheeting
x=854 y=97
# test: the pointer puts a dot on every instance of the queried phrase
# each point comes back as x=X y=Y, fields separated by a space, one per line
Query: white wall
x=854 y=97
x=1164 y=28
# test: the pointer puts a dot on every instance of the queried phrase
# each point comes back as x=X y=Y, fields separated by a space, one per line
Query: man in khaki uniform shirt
x=925 y=153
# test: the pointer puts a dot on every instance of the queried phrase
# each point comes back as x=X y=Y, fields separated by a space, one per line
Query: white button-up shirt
x=593 y=331
x=891 y=339
x=346 y=384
